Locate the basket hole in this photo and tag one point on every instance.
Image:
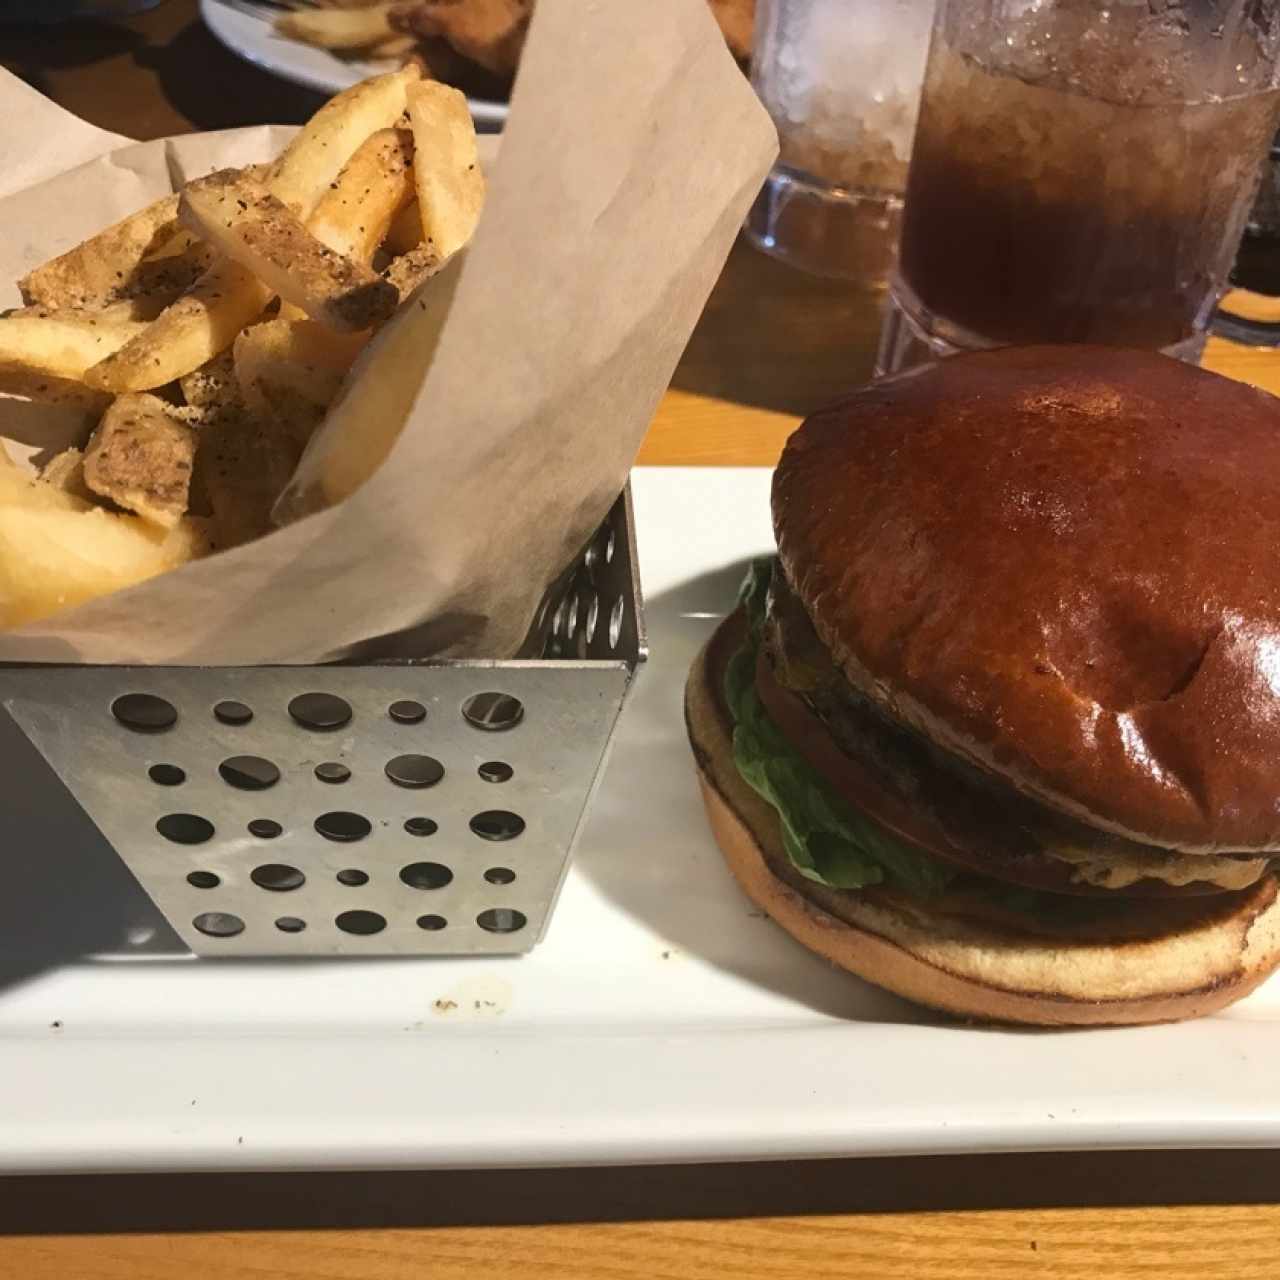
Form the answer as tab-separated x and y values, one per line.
426	875
500	875
218	924
610	547
343	827
323	711
415	771
493	711
497	824
167	775
593	617
144	712
265	828
571	617
407	711
421	826
615	622
249	773
432	923
592	557
290	924
185	828
332	771
277	877
362	922
501	920
233	712
352	877
203	880
496	771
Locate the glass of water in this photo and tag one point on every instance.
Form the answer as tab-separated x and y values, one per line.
841	79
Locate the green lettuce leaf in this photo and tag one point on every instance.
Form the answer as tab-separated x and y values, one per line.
827	840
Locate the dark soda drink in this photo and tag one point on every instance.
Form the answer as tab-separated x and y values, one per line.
1089	190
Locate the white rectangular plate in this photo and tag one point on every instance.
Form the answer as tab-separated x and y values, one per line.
662	1019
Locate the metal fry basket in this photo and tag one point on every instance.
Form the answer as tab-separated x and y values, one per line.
392	808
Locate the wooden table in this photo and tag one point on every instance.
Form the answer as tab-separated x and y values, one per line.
772	343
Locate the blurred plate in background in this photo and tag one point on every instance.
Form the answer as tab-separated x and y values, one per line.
246	30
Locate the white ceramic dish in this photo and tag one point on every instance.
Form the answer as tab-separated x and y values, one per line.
251	36
662	1019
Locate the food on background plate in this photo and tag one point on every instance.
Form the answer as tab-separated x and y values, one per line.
206	336
998	729
450	39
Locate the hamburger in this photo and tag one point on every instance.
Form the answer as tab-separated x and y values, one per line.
998	729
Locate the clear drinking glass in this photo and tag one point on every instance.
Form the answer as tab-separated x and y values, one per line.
1082	172
841	79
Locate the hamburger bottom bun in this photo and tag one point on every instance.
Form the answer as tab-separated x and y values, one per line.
1157	972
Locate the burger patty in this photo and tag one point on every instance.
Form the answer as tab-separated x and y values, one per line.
945	805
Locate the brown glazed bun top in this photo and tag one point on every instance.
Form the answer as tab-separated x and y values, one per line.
1062	563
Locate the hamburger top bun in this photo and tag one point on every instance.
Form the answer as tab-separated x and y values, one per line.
1170	959
1060	563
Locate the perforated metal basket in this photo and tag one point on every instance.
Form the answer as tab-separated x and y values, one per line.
425	808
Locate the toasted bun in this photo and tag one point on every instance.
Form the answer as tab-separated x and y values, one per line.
1059	562
1175	959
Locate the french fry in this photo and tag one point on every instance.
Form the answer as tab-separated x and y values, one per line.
65	472
354	216
364	421
410	269
260	232
191	331
211	390
331	137
289	371
405	231
44	388
64	345
56	550
95	272
338	28
140	459
227	297
243	464
446	168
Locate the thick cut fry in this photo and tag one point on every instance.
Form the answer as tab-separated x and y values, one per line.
97	271
330	138
140	458
289	371
65	472
446	169
64	345
405	231
44	388
188	333
57	550
243	464
355	214
259	231
211	391
410	269
338	28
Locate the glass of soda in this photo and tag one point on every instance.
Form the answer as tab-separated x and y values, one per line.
1082	172
841	79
